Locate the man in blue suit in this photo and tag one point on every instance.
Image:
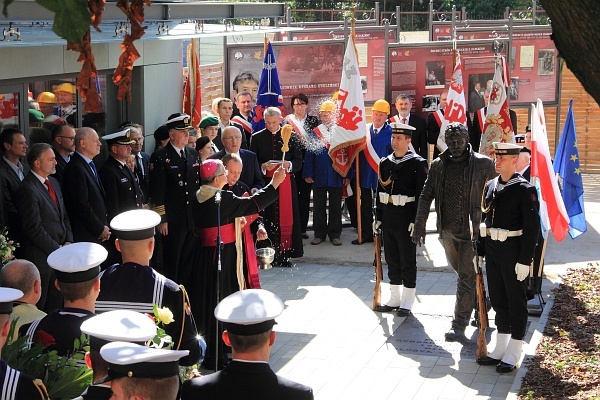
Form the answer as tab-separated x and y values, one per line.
84	194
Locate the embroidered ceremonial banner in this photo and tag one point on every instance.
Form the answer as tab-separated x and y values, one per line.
348	134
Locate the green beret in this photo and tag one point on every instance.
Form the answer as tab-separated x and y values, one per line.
209	120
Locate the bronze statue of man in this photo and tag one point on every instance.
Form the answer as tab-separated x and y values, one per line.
456	180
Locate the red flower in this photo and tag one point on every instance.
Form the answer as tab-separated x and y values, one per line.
44	338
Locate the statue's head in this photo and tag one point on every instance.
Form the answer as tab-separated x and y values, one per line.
457	139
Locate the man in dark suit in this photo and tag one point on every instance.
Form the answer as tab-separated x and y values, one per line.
84	194
419	135
174	181
225	111
12	172
63	143
434	124
251	174
46	225
248	317
243	113
142	160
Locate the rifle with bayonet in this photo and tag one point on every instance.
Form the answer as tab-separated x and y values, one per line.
377	259
481	304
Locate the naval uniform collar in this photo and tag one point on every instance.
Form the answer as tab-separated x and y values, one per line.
397	160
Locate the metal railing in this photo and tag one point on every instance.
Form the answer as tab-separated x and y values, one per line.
409	20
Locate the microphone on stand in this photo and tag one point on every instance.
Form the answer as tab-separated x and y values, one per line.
218	285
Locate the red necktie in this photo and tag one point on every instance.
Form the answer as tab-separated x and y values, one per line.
51	191
404	121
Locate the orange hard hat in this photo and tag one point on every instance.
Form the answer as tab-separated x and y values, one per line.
46	97
327	106
66	87
381	106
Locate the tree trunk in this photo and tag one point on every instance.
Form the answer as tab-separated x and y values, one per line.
575	34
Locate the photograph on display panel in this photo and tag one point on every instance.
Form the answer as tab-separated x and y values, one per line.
546	62
431	102
513	90
435	74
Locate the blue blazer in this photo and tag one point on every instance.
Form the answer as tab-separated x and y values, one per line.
382	143
318	166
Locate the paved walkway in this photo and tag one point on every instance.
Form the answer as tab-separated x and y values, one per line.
329	338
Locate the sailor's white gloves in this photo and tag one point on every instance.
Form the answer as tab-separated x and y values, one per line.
522	271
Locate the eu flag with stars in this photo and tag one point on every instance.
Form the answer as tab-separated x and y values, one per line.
269	91
567	167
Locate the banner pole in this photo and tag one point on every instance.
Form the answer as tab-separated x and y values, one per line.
357	191
265	46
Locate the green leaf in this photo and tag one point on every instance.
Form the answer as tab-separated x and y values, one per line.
72	18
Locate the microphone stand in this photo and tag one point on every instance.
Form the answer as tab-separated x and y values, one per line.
219	244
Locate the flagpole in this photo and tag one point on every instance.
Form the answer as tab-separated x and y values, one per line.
265	45
357	184
193	69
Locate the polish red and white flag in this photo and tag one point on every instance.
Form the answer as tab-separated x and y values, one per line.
553	214
456	107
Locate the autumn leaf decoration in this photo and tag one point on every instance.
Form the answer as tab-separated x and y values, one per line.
134	10
86	80
72	20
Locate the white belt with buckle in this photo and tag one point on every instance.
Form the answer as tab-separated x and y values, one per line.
395	199
501	235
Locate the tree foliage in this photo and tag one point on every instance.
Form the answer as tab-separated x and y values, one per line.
573	27
488	9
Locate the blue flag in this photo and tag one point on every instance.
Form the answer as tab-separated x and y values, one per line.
269	91
567	167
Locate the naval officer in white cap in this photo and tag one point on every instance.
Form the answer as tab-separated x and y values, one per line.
14	384
508	238
135	240
142	373
248	317
112	326
77	269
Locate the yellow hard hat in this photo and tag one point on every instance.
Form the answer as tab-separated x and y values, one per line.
381	106
66	87
327	106
46	97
